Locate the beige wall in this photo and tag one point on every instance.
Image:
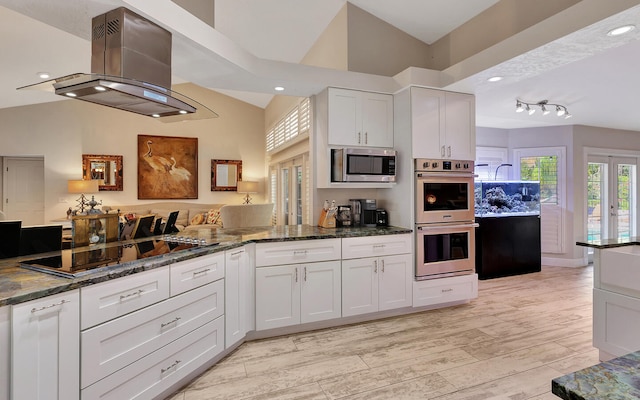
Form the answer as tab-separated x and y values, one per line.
330	50
62	131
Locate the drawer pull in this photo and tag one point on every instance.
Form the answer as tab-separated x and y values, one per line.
378	246
204	271
176	319
298	252
126	296
382	266
175	364
34	310
447	290
375	266
237	252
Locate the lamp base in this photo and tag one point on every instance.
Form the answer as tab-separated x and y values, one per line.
247	199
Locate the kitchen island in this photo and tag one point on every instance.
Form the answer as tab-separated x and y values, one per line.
144	317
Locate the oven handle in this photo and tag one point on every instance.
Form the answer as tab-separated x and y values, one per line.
448	225
444	174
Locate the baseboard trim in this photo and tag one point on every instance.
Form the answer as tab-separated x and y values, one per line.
565	262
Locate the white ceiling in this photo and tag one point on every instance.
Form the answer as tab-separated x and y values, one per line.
257	43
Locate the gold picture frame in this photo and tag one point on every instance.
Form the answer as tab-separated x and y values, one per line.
106	168
225	175
167	167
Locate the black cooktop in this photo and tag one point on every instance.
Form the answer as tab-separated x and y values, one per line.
77	262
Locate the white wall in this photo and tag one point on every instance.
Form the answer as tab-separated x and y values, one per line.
62	131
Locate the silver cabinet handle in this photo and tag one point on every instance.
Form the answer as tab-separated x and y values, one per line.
448	151
366	138
383	266
375	266
173	321
296	274
305	274
359	137
204	271
447	290
378	246
442	151
35	310
126	296
175	364
299	252
236	253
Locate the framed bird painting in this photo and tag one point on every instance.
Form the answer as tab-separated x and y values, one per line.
167	167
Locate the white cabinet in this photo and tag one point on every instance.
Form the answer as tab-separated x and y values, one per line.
239	294
297	282
442	124
445	290
5	351
293	294
45	359
359	118
117	297
378	283
190	274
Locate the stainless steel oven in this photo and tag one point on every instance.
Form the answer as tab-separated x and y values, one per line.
444	250
444	217
444	191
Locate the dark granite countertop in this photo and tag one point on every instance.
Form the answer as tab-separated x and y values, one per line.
617	379
609	243
19	284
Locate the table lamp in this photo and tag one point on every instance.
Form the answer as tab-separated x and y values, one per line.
82	186
247	187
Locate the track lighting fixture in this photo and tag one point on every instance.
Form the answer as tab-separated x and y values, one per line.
561	111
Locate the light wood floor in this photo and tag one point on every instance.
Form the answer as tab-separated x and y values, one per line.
509	343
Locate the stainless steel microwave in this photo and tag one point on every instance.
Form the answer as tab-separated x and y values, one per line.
360	164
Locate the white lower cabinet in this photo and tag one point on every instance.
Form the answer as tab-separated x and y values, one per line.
445	290
239	297
293	294
45	359
376	284
616	322
113	345
155	373
5	351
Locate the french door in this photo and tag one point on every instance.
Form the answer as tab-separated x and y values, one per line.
611	197
289	191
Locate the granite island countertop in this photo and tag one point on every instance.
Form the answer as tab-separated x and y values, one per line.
616	379
19	284
609	243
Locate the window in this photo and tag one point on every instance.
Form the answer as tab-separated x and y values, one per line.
294	125
545	170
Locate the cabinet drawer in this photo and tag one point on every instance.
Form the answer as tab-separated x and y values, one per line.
373	246
620	270
115	344
616	321
117	297
445	290
151	375
187	275
295	252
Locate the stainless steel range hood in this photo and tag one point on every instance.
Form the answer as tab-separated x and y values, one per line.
130	70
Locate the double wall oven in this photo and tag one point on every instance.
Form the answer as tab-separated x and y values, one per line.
444	217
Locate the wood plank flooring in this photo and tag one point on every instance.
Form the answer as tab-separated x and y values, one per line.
509	343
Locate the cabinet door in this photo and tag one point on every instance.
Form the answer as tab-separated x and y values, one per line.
395	279
5	332
359	286
428	123
377	120
460	126
345	117
236	295
616	321
320	294
277	297
45	352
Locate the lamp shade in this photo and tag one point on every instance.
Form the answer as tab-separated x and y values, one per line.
83	186
247	187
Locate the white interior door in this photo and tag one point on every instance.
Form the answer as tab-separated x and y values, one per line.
23	198
611	197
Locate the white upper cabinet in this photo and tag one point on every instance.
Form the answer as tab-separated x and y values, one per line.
359	118
443	124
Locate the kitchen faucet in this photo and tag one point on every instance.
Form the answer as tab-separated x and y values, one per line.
501	165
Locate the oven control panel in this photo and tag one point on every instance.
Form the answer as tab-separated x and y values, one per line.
433	165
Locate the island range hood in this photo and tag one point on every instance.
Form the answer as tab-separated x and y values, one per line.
130	70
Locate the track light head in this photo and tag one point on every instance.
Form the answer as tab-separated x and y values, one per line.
560	111
530	110
519	107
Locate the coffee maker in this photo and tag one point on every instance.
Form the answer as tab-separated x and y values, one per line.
363	212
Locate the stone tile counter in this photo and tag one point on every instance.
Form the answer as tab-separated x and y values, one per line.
19	284
615	379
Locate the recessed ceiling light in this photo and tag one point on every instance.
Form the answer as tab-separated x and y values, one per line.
101	88
43	75
495	79
278	88
155	115
182	112
71	94
621	30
